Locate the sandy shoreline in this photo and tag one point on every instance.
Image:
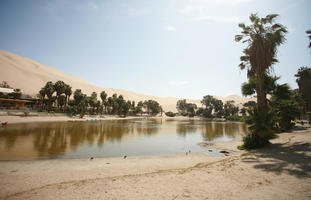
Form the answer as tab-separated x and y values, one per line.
30	119
280	171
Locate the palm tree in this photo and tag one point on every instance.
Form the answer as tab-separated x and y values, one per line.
304	83
263	37
93	101
139	107
78	96
42	93
62	101
68	93
109	104
49	91
119	104
103	96
285	106
41	96
59	87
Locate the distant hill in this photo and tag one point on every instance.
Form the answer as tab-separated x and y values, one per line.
31	76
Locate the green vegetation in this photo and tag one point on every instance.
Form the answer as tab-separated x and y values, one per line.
152	107
16	94
4	84
267	117
186	109
262	37
304	89
213	108
56	98
211	104
170	114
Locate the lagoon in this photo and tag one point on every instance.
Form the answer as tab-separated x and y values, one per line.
112	138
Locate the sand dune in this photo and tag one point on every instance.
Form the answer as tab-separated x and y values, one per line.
30	76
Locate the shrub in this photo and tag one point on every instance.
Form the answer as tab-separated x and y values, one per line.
170	114
236	118
262	129
191	115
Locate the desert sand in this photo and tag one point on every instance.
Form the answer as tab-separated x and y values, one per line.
282	170
31	76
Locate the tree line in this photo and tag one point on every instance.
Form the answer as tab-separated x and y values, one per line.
212	108
56	97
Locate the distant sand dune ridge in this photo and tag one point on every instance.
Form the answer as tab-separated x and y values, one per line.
31	76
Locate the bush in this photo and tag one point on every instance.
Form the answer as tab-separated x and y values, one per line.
170	114
262	129
26	113
253	141
250	141
191	115
236	118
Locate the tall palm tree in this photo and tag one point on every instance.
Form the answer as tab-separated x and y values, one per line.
109	104
304	83
68	93
93	101
49	91
59	87
41	96
42	93
103	96
263	37
78	96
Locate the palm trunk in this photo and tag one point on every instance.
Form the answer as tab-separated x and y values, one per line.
261	94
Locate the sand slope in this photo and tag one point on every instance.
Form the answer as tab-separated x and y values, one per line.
30	76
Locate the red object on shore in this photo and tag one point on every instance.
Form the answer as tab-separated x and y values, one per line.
4	123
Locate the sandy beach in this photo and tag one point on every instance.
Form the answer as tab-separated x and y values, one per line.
18	119
279	171
30	119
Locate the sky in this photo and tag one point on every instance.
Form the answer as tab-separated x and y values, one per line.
166	48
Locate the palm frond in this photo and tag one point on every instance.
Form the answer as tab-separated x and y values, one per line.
238	38
253	17
242	66
271	17
244	58
242	25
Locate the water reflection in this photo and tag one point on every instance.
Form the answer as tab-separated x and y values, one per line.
62	139
186	127
216	130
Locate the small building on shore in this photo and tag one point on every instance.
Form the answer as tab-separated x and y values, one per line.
14	102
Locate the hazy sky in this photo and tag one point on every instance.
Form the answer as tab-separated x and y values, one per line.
179	48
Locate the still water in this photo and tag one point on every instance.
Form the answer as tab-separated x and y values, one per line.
111	138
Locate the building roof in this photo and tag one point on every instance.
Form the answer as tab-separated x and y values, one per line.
6	90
